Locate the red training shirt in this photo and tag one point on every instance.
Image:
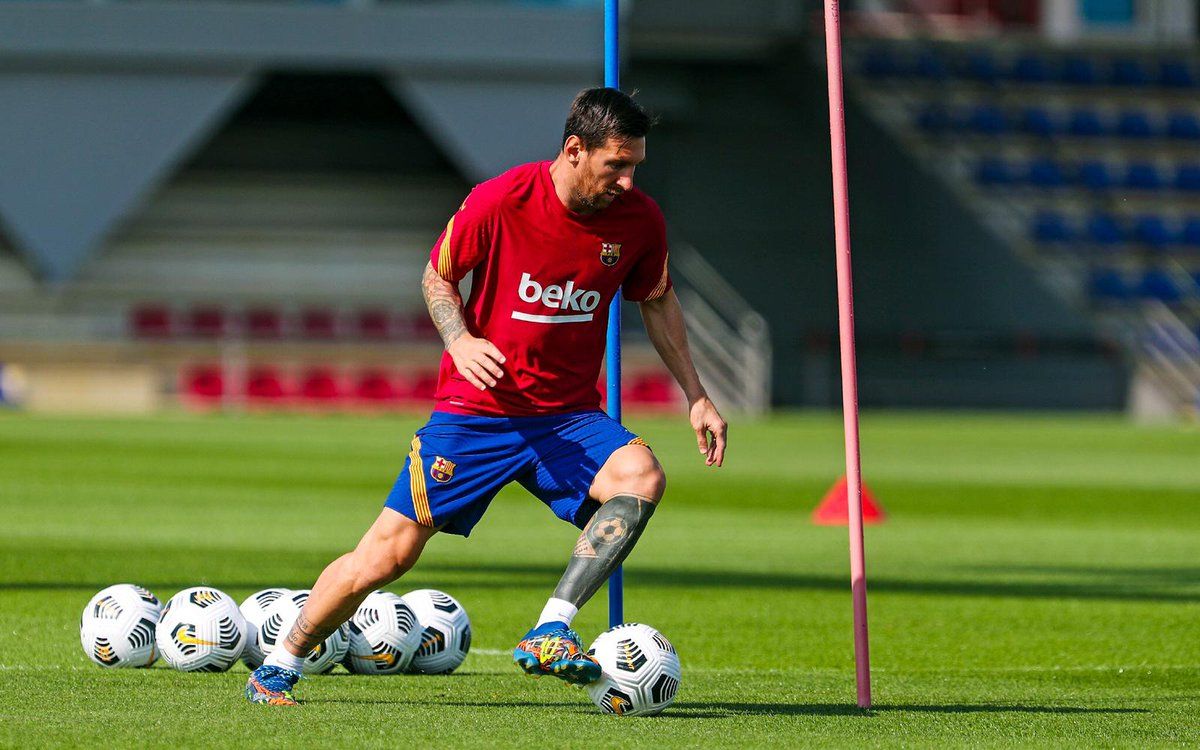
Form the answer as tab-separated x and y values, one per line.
542	280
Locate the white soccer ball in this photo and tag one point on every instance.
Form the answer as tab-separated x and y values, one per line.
201	630
641	671
445	631
254	609
281	615
384	635
117	627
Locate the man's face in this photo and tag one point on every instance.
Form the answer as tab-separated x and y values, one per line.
602	174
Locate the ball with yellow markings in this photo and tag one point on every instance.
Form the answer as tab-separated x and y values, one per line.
201	630
640	671
118	625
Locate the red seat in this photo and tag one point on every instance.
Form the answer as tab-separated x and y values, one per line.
206	383
423	386
320	385
422	326
374	324
206	322
151	321
318	323
264	323
375	386
265	384
651	388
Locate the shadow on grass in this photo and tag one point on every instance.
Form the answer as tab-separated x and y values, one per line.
717	710
510	576
725	710
1169	576
1157	584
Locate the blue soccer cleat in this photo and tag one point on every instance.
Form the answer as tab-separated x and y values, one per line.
272	686
554	649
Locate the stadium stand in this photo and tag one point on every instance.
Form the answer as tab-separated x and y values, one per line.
1082	157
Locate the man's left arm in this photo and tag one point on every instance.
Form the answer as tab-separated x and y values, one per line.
664	323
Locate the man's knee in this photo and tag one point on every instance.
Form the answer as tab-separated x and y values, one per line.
374	567
635	469
387	552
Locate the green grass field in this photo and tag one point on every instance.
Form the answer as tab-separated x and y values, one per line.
1037	584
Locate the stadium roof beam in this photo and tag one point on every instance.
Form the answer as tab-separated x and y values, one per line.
460	36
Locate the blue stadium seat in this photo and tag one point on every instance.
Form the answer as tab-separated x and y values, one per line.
1107	284
930	66
1128	72
1190	236
1094	175
1050	227
934	118
1086	123
981	67
1183	125
1037	121
993	171
1187	177
1046	173
1133	123
1104	229
987	119
1158	284
1078	71
880	63
1143	175
1030	69
1151	230
1176	74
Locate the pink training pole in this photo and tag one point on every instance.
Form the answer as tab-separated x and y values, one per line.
841	211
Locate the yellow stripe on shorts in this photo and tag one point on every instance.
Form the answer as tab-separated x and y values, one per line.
416	485
638	441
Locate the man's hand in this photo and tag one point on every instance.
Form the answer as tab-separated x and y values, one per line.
710	430
478	360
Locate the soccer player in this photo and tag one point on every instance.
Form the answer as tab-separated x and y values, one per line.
548	245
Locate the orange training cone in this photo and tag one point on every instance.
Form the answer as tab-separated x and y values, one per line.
834	507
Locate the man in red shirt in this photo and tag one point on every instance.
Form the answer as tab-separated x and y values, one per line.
548	245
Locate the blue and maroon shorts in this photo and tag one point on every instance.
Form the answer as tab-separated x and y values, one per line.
459	462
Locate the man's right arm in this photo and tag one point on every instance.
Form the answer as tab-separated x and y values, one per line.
476	359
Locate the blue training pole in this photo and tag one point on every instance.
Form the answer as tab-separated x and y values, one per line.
612	80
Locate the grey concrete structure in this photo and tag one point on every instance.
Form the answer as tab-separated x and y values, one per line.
99	101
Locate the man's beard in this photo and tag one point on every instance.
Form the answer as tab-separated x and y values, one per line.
595	202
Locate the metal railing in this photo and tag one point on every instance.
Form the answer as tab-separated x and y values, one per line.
1171	351
730	341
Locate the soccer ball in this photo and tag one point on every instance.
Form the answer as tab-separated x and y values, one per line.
446	631
117	627
201	630
641	671
384	635
277	623
254	609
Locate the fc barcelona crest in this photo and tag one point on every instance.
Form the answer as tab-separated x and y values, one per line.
610	253
442	470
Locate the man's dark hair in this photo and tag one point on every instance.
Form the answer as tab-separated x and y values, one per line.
602	113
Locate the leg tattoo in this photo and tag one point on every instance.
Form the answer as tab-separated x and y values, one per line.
604	544
304	636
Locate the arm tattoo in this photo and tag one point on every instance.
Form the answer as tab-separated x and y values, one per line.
445	305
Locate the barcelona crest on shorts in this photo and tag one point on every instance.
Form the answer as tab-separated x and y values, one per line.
610	253
442	470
